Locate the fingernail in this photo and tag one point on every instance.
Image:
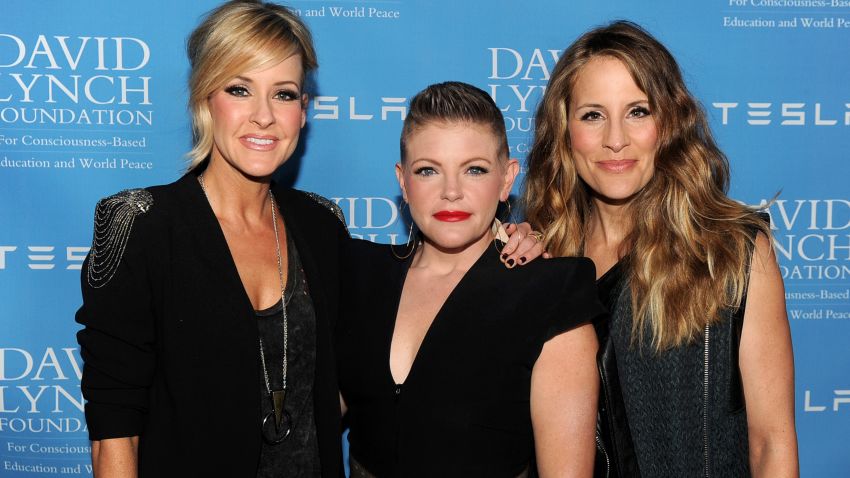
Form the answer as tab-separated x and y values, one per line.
511	262
504	255
522	260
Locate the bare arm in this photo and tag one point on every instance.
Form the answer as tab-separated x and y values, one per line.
564	394
767	370
115	457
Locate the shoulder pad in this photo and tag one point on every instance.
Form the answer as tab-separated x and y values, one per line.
332	206
113	221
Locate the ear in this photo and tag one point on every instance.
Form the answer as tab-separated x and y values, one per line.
511	170
399	174
304	101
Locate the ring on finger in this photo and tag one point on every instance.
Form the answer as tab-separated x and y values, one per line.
538	236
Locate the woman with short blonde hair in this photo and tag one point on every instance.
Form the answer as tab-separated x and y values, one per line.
206	352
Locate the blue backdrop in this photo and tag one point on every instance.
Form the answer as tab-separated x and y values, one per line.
92	100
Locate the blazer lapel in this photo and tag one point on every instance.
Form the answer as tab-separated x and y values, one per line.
211	245
295	227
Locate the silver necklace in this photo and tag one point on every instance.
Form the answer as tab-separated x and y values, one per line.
282	420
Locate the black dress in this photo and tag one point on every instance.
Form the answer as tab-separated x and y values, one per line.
464	408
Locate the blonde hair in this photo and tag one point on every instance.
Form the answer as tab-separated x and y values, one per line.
239	36
688	252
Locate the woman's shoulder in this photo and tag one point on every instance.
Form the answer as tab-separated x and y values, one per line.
315	207
546	282
561	292
128	225
373	256
559	270
145	205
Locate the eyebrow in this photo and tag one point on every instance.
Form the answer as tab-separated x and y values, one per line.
596	105
277	83
463	163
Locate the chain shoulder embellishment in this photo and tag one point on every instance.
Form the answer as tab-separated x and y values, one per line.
113	221
332	206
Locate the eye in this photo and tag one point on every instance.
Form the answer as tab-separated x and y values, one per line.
477	170
592	116
287	95
639	112
237	90
425	171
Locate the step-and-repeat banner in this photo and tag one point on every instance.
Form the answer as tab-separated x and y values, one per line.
92	101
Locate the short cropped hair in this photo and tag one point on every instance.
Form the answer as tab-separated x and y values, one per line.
239	36
453	101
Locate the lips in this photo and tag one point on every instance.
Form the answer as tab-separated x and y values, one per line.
259	142
451	216
617	166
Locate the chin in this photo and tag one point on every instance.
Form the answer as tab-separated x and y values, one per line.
260	171
454	242
618	194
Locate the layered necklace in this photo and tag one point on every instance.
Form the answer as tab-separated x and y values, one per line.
277	424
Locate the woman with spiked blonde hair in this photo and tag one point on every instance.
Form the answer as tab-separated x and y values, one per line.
625	171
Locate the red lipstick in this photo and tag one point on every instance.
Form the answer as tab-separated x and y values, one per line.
451	216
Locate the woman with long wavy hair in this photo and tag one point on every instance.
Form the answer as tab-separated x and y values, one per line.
624	170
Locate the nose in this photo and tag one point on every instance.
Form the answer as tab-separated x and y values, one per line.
451	188
262	114
615	136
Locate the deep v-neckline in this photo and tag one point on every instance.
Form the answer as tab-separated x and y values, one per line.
429	332
225	258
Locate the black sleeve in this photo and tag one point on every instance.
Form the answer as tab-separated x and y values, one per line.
579	300
117	341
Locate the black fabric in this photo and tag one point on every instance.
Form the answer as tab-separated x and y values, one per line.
679	427
298	454
464	408
170	343
653	404
615	455
664	398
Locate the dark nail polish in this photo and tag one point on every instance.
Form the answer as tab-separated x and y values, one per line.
504	255
522	260
510	262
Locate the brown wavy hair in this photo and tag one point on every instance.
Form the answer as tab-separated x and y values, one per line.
239	36
688	252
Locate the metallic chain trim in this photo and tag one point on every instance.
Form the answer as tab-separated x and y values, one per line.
113	221
332	206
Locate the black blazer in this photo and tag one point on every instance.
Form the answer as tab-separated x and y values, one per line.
170	342
464	409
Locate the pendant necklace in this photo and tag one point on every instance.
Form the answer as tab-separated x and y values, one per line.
278	417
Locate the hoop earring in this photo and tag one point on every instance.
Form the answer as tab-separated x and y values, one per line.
510	217
499	233
410	247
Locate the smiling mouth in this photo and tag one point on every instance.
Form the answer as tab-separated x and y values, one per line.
259	141
451	216
617	166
